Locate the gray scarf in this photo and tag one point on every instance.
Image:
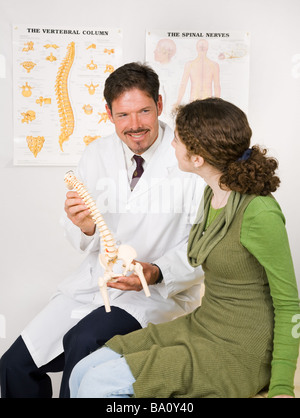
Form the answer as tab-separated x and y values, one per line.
201	242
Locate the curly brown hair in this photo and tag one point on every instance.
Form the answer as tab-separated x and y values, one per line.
219	131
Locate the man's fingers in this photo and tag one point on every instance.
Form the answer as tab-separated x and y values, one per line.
76	209
131	282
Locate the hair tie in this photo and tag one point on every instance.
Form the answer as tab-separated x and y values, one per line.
246	155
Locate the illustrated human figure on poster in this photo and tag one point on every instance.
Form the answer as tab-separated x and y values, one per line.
203	74
163	54
164	51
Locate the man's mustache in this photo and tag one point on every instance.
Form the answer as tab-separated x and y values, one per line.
138	131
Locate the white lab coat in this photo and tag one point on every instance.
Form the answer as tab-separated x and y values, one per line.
155	218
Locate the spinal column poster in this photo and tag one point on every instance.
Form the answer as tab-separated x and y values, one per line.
58	79
195	65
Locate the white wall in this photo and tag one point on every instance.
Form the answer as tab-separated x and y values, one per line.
34	254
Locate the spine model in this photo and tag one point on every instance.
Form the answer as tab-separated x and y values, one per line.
111	254
61	88
107	239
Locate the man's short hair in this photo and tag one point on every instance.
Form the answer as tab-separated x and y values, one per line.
131	76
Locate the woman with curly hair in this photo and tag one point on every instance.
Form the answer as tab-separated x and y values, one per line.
241	338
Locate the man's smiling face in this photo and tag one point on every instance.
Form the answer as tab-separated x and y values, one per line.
135	116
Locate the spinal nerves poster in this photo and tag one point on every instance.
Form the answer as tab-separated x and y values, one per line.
197	64
58	80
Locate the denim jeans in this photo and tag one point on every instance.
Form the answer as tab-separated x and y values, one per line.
102	374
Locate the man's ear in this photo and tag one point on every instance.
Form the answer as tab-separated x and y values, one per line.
159	105
109	113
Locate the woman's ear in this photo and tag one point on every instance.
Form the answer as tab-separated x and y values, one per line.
197	160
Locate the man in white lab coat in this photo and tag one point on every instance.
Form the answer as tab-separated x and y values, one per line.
153	213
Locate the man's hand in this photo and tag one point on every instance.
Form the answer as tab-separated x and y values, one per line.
79	213
133	282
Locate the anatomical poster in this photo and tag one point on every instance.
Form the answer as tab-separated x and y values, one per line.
58	80
196	64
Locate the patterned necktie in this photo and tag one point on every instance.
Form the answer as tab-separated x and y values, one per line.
138	171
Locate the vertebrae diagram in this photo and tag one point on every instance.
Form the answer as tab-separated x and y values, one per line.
35	144
58	91
62	95
111	253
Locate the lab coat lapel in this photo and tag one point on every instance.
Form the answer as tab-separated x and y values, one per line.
120	175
